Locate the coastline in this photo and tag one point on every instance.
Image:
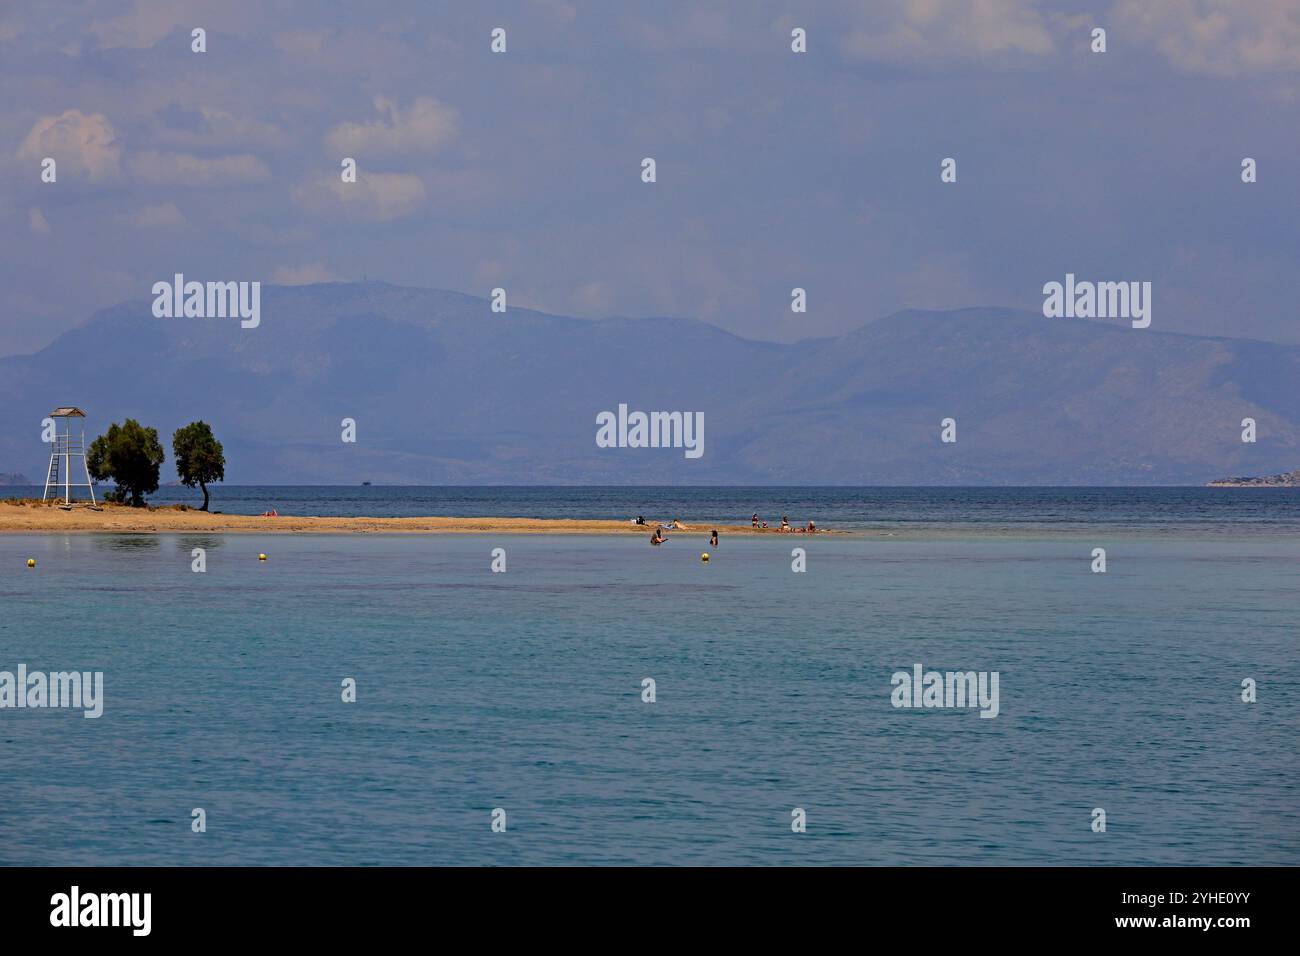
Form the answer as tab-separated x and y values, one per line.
35	519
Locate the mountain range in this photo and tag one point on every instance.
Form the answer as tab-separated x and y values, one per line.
445	391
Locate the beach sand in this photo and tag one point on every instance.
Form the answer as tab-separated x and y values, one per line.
28	518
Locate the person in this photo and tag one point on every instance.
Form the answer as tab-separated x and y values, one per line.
785	523
812	528
764	525
754	520
658	537
678	526
713	538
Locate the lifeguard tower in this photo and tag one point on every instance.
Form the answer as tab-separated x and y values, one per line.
68	457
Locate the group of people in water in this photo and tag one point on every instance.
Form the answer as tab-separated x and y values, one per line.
675	525
658	537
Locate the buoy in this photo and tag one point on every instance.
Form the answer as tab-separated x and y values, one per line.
705	557
261	557
31	562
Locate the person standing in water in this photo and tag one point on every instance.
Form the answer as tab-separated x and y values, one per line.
658	537
713	538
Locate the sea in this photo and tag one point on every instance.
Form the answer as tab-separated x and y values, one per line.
506	717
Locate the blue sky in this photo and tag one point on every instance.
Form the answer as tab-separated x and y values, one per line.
775	169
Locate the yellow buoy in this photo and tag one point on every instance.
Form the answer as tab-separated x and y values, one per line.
31	562
705	557
261	557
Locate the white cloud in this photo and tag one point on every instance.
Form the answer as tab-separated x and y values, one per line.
303	275
189	170
378	197
161	216
303	43
593	297
206	128
147	22
943	30
37	221
1217	37
267	235
79	144
423	127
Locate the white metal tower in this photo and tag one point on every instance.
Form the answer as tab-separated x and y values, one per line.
67	449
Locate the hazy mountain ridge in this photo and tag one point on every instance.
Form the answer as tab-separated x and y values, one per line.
445	391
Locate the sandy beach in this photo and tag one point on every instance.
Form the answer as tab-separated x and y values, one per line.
28	518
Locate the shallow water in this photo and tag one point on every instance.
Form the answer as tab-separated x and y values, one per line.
522	691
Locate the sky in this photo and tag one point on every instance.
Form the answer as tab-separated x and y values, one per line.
774	169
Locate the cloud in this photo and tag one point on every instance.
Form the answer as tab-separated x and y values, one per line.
424	127
38	223
943	30
206	128
379	197
1217	37
79	143
189	170
147	22
162	216
303	43
595	297
263	234
303	275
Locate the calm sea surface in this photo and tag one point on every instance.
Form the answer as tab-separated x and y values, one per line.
522	690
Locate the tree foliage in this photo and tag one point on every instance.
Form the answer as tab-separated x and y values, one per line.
200	459
129	455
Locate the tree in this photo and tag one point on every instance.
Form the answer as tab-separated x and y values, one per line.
129	454
199	457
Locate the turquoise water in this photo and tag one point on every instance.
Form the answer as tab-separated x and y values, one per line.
522	691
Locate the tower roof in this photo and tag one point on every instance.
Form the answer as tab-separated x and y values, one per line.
67	411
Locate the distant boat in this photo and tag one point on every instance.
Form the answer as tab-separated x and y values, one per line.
365	483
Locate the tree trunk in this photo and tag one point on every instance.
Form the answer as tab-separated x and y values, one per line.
205	496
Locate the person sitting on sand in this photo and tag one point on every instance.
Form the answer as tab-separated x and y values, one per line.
713	538
270	514
812	528
640	519
764	525
785	523
658	537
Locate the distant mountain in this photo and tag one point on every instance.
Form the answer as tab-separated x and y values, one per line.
1289	480
444	391
14	479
